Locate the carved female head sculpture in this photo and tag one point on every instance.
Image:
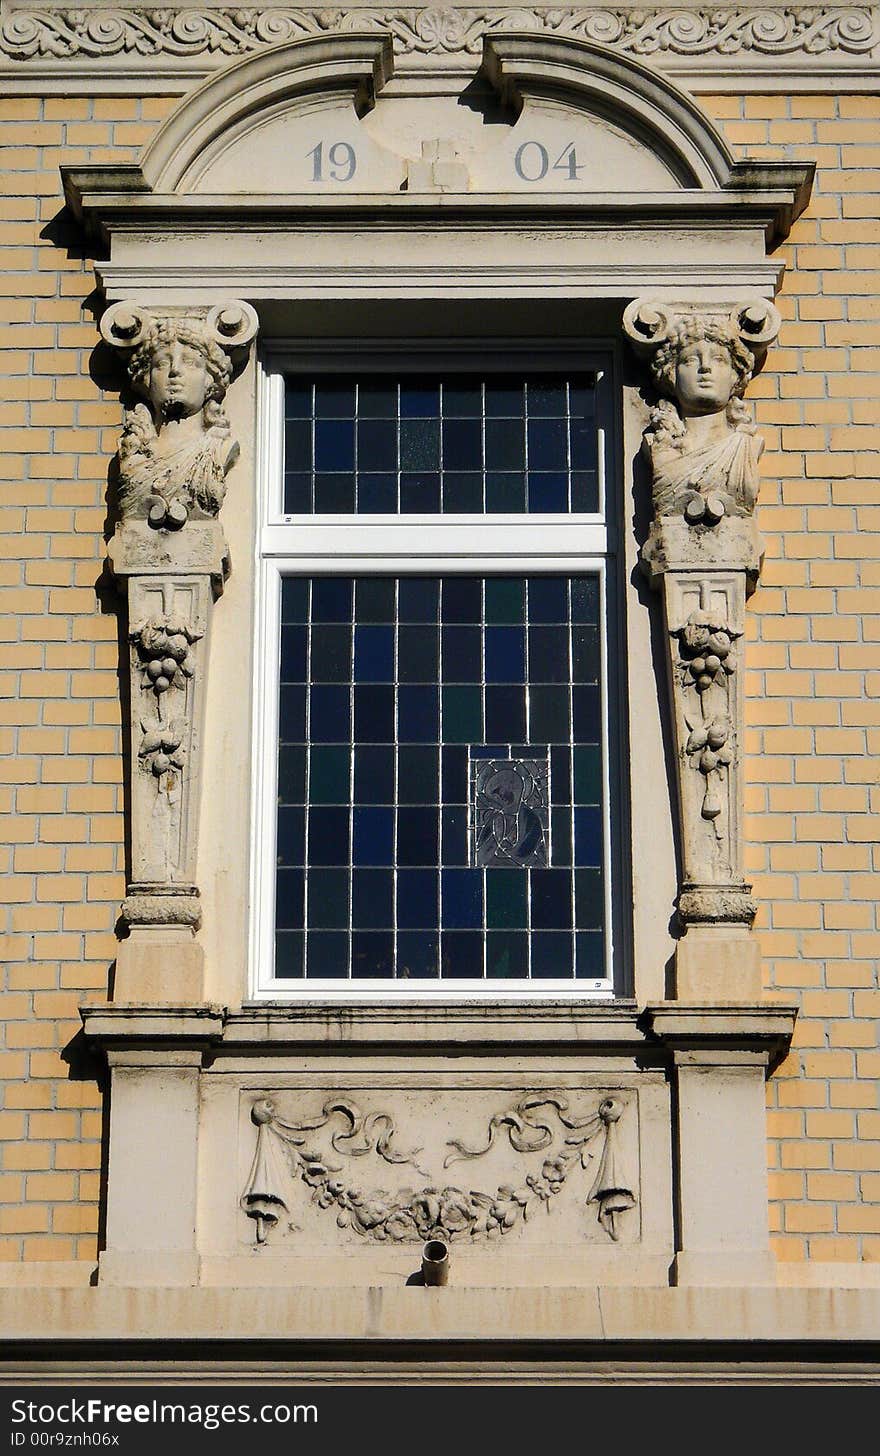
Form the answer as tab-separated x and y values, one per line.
176	449
700	439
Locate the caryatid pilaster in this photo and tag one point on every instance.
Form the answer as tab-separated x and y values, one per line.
704	553
175	454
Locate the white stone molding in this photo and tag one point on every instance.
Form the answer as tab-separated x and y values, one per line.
795	46
169	551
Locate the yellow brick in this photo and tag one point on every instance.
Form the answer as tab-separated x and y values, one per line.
78	1218
24	1219
53	1125
47	1187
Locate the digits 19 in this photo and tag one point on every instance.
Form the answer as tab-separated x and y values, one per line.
341	162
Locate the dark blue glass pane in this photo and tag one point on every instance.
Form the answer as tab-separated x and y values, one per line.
504	397
582	435
462	902
291	844
582	398
420	492
462	445
374	774
329	774
331	654
293	654
288	955
328	836
334	444
329	716
334	494
560	835
589	899
417	899
328	899
291	774
372	899
551	899
463	398
505	600
455	833
418	599
332	598
548	599
560	775
454	775
462	654
377	494
420	444
507	955
419	399
546	396
462	599
292	714
297	446
505	445
588	836
418	955
373	836
374	713
418	775
548	654
585	599
505	654
585	701
585	644
591	954
462	955
417	654
374	599
584	491
549	715
505	492
334	399
552	957
418	714
547	445
295	599
289	899
374	654
327	954
297	399
377	399
463	493
547	492
417	837
505	714
377	445
372	955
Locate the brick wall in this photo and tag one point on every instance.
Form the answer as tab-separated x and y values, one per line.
813	662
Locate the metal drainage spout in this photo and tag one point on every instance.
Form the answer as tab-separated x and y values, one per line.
435	1262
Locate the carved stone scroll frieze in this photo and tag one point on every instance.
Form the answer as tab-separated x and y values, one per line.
725	33
175	453
704	551
541	1126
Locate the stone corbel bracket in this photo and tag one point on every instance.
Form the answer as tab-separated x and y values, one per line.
170	554
704	553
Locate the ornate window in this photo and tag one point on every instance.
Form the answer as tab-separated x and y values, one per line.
436	784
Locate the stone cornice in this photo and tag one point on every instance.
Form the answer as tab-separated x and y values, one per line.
709	47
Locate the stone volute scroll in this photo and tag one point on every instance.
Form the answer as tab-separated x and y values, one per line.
704	553
175	454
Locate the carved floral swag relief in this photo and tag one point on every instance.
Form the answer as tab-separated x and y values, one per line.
287	1150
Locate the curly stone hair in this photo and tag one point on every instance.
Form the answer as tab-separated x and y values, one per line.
693	329
168	331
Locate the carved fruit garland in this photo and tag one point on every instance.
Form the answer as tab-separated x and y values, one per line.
705	648
433	1211
167	663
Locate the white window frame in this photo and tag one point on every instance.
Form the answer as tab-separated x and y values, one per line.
385	545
